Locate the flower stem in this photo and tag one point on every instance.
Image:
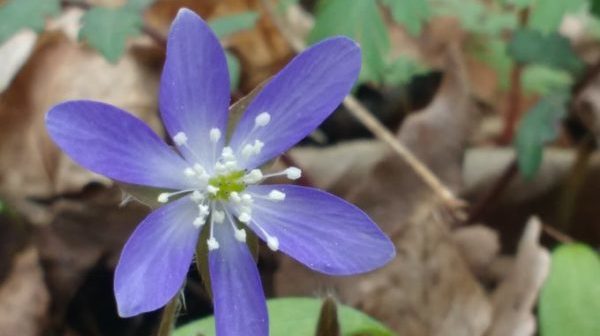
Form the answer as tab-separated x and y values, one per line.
169	315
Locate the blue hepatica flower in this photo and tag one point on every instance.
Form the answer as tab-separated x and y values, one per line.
215	186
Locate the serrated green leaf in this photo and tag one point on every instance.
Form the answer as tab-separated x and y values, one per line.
547	15
18	14
402	70
412	14
298	317
234	70
107	30
231	24
362	21
538	127
541	79
531	46
570	299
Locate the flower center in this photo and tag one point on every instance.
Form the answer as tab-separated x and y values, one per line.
226	184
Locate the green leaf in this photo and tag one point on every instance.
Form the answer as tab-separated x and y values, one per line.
233	64
541	79
539	126
231	24
553	50
570	299
362	21
412	14
107	30
139	4
299	317
547	15
595	8
18	14
402	70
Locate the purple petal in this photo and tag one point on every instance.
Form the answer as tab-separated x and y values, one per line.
320	230
194	88
111	142
299	98
240	306
156	258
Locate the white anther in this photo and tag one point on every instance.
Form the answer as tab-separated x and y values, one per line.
199	221
231	165
215	135
262	119
212	243
203	209
220	168
276	195
293	173
244	217
180	139
189	172
240	235
199	169
273	243
163	198
212	189
247	199
258	146
227	153
235	197
247	151
254	176
197	196
246	209
218	216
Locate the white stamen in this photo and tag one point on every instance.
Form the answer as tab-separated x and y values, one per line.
212	243
218	216
212	189
235	197
273	243
163	197
231	165
227	153
262	119
293	173
204	210
199	221
180	139
254	176
247	199
215	135
189	172
253	149
240	235
244	217
276	195
197	196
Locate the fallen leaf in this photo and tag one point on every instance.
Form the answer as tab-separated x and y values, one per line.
24	299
